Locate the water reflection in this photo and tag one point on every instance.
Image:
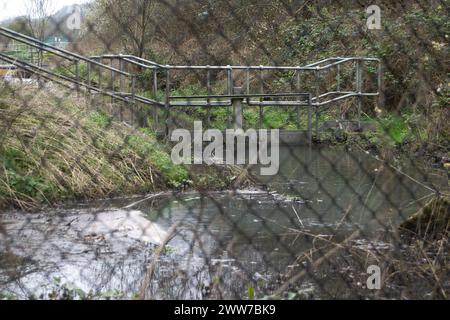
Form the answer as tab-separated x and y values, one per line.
226	242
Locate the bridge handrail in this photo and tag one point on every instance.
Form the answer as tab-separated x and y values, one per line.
55	50
311	67
46	74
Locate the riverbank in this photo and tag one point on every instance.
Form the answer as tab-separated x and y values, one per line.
393	148
54	148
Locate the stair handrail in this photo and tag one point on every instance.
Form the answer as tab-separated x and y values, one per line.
55	50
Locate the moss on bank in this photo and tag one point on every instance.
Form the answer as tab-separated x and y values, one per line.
53	148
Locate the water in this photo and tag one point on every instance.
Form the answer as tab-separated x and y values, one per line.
226	242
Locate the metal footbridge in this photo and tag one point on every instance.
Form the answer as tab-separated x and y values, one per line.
144	88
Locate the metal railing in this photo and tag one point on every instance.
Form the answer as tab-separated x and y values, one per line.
318	99
233	95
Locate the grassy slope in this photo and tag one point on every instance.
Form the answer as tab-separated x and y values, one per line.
54	148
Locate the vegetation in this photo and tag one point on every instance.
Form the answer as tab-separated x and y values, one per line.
54	149
413	46
412	109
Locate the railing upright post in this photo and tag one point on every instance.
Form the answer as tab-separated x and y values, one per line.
167	104
208	101
121	85
155	93
316	72
237	109
77	75
133	93
99	78
247	80
310	118
338	78
300	97
359	80
230	92
338	89
112	82
261	91
88	91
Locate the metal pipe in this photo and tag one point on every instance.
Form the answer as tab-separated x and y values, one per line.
298	106
310	67
167	105
77	76
42	45
230	91
155	93
121	87
310	119
359	84
248	81
208	87
30	67
316	73
261	91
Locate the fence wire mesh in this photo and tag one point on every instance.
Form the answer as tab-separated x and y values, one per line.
94	207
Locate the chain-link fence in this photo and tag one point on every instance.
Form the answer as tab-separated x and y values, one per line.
97	98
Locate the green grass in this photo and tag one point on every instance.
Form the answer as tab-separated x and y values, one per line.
54	148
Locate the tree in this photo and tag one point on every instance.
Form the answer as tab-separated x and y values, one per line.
130	21
38	17
20	25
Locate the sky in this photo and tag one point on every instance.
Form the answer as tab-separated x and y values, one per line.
14	8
